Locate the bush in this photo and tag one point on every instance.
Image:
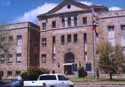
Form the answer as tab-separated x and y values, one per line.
33	74
82	72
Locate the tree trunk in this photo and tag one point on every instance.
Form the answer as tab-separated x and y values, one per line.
110	76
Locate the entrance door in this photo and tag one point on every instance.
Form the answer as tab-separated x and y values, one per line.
68	69
69	60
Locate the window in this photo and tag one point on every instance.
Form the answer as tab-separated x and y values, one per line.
19	40
9	73
75	38
111	35
44	42
54	39
85	38
88	67
69	38
48	77
75	20
1	73
9	59
84	20
18	57
18	72
123	35
62	78
44	26
68	6
43	56
2	58
110	28
19	37
53	24
63	22
3	38
62	39
69	21
10	38
123	27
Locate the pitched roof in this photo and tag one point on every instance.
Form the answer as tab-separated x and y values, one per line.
73	2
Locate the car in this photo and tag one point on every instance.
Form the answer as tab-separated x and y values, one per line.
2	84
50	80
16	83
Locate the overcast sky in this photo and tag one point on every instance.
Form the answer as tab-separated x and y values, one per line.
26	10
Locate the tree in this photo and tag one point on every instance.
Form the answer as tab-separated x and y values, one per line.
33	73
111	59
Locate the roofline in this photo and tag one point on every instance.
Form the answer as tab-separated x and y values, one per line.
73	1
30	23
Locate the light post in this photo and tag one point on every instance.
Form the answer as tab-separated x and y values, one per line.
94	26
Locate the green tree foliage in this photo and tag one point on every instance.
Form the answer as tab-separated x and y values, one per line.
32	74
111	59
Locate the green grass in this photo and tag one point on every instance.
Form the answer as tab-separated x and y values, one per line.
84	80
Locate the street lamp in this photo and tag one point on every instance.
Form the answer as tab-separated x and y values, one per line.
94	25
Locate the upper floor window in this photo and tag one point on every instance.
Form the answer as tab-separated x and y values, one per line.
69	21
10	38
2	58
111	35
9	60
3	38
110	28
123	35
19	40
53	24
63	22
54	40
75	20
84	20
69	38
19	37
18	57
44	42
62	39
44	26
123	27
75	37
85	38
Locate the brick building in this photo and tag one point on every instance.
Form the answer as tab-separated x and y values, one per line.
19	48
67	39
70	32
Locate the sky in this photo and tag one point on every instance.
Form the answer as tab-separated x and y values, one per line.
13	11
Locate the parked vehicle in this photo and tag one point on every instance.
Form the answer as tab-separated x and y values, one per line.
2	84
50	80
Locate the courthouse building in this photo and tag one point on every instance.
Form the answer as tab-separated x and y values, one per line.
19	48
70	32
67	39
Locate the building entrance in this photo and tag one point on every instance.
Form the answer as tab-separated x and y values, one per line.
69	63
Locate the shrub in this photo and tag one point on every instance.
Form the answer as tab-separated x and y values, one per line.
82	72
32	74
